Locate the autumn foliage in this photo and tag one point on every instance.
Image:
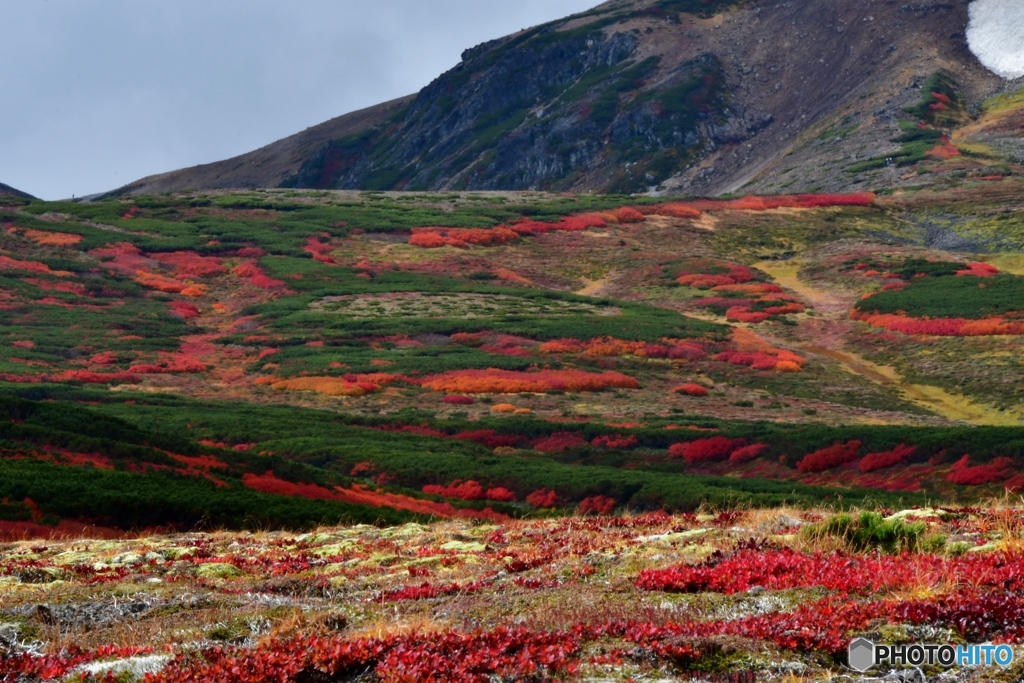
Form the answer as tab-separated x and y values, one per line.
940	327
880	461
713	449
494	381
829	458
691	390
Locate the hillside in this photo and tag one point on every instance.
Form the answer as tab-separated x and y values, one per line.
286	357
7	190
682	96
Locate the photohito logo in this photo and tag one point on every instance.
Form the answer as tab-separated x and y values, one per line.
864	655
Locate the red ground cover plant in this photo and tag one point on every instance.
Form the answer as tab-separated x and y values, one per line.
880	461
8	263
319	250
597	505
170	363
491	439
432	238
748	453
271	483
691	390
978	270
784	569
940	327
602	347
543	499
964	474
829	458
616	442
494	381
713	449
190	264
559	441
184	309
250	271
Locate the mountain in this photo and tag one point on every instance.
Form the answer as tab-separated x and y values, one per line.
7	190
685	96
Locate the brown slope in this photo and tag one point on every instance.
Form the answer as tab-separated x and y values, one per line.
267	166
7	190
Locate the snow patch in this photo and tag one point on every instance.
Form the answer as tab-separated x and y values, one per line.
995	35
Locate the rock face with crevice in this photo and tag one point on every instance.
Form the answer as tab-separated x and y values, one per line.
680	96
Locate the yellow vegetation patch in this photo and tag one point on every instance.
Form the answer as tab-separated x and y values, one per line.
329	386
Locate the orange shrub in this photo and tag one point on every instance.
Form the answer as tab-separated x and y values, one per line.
503	408
159	282
7	263
170	363
691	390
329	386
627	215
189	263
52	239
427	240
493	381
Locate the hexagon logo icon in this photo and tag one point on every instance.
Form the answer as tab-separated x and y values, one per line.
861	655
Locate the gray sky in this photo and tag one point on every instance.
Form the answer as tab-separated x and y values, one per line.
97	93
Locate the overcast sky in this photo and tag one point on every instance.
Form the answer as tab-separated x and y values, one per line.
97	93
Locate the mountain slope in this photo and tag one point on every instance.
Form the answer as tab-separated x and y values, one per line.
7	190
681	95
270	165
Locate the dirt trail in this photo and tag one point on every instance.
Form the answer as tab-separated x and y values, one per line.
934	399
952	406
594	287
786	274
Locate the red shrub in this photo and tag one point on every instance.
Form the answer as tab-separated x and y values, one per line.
619	442
183	309
597	505
979	270
828	458
170	363
427	240
979	475
493	381
559	441
490	438
469	490
691	390
714	449
271	483
748	453
687	352
543	499
457	400
880	461
249	270
189	263
1015	484
500	494
627	215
